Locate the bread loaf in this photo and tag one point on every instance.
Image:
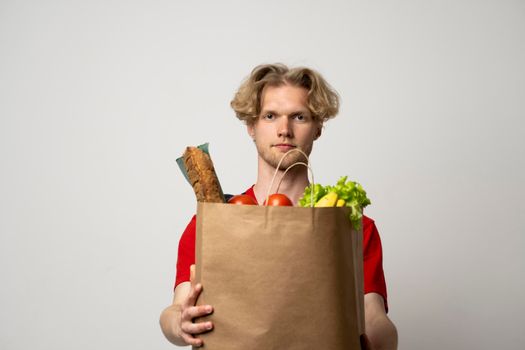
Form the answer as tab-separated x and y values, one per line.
202	176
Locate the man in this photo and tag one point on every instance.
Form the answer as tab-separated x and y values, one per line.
283	109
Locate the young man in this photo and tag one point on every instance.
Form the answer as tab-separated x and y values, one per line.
283	109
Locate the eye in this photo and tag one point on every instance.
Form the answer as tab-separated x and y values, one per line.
268	116
300	117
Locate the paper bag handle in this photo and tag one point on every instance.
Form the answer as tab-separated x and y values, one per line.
310	172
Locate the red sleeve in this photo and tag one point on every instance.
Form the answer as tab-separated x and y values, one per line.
186	256
373	260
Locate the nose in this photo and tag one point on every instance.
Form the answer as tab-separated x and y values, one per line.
284	128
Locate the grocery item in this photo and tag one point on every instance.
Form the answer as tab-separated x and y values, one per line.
242	199
344	193
278	200
201	175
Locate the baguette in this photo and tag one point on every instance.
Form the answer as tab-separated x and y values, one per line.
202	176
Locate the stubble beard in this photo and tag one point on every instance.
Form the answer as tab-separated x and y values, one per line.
272	158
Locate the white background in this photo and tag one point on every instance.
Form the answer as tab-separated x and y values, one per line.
98	99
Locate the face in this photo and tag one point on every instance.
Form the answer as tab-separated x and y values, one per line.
283	124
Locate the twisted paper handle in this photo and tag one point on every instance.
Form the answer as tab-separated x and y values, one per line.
310	172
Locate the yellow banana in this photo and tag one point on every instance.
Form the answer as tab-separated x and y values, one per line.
340	203
328	200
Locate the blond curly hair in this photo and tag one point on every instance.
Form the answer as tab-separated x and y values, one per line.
323	100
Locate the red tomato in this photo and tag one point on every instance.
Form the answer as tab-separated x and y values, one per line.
242	199
278	199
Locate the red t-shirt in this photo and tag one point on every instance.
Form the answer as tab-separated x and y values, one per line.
374	279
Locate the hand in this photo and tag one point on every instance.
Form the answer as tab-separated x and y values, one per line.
189	312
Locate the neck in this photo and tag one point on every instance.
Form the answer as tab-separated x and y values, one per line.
292	185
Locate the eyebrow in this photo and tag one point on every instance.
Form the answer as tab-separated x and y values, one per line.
302	111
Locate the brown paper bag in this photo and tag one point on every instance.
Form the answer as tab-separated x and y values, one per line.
280	277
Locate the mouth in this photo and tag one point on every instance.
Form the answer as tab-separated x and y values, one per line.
284	147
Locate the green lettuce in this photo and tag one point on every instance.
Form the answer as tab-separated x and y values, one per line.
351	192
306	199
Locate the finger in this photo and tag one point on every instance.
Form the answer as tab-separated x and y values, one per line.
191	340
194	294
192	274
193	312
196	328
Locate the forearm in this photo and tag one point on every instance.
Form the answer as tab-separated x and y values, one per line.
381	333
170	323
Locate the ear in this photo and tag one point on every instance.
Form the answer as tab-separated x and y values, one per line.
251	130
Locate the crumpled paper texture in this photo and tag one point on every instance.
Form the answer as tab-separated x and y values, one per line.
280	277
